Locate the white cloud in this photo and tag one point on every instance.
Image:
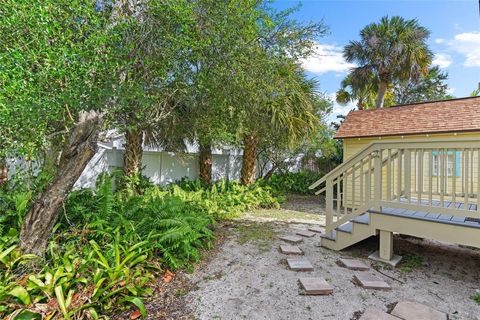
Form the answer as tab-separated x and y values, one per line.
439	40
339	109
327	58
442	60
468	44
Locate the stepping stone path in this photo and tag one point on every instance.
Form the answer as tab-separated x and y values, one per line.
292	239
297	264
286	249
310	286
315	286
371	282
353	264
315	229
373	313
306	233
409	310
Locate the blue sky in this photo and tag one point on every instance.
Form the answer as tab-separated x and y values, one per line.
454	26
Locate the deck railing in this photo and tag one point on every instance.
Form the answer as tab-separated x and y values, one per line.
436	176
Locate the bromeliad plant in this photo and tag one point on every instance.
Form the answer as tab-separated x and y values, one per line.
76	284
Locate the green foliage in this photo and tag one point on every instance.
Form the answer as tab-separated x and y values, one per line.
293	182
411	262
476	298
109	245
430	87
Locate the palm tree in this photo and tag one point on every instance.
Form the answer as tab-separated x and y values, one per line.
287	110
394	49
362	92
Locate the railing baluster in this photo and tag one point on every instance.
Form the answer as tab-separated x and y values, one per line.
353	187
454	176
368	185
408	173
389	178
471	172
339	198
361	184
430	177
420	176
415	152
465	200
399	174
442	176
378	178
329	204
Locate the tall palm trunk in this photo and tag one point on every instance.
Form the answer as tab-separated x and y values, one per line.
77	152
3	172
205	163
133	152
382	89
249	160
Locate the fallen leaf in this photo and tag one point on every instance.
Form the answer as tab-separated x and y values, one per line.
135	315
168	276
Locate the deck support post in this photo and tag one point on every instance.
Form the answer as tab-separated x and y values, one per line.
386	245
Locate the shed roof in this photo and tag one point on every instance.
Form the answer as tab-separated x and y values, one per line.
455	115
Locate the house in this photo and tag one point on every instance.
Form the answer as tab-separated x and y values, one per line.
409	169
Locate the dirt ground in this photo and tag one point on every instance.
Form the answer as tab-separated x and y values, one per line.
246	276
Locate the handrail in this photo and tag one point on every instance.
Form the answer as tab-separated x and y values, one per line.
367	149
357	212
359	182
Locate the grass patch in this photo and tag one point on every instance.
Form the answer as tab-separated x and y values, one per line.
476	298
282	215
411	262
260	234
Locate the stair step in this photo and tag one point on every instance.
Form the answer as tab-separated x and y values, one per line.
333	237
346	227
363	219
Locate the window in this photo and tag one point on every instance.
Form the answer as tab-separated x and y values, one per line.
449	163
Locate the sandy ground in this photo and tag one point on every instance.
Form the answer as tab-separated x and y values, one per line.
247	278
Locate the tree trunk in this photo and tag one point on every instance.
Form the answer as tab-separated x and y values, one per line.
78	151
3	172
381	94
270	172
360	104
205	164
133	152
249	160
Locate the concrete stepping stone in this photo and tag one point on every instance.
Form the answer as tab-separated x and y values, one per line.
353	264
315	229
292	239
373	313
306	233
297	264
371	282
315	286
287	249
409	310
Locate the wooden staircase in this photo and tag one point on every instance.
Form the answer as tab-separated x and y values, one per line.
417	187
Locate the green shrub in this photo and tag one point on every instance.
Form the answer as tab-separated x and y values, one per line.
293	182
108	245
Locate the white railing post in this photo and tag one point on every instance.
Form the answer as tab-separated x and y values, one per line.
377	178
329	204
